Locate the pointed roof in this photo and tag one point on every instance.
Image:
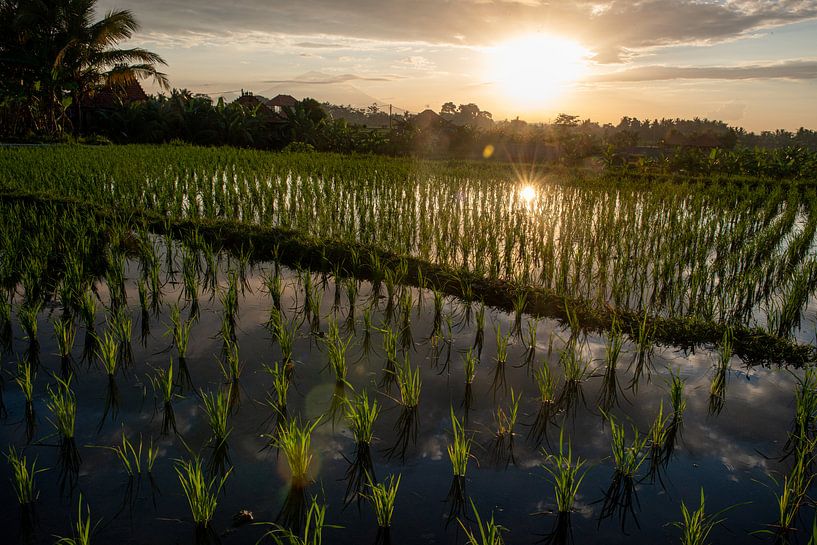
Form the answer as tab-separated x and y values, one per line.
283	101
112	96
426	118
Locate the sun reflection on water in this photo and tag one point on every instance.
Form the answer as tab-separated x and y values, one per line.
527	193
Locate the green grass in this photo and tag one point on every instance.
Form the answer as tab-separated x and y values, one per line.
294	439
23	477
107	348
382	496
566	474
658	429
459	450
162	381
409	383
574	366
63	406
470	365
82	527
201	493
626	458
232	367
501	346
216	406
129	455
534	256
506	419
336	350
180	330
27	315
314	524
65	332
277	398
486	533
545	384
361	416
677	399
697	525
25	378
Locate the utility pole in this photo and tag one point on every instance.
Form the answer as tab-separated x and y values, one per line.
389	116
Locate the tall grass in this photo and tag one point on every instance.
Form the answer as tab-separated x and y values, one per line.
627	458
471	361
294	439
180	330
216	406
361	416
487	532
201	493
82	527
277	399
382	496
336	349
65	333
566	474
459	450
697	525
314	524
23	477
107	349
63	406
409	384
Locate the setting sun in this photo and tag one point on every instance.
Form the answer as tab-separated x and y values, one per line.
535	68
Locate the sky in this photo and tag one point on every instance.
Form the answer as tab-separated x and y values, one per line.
751	63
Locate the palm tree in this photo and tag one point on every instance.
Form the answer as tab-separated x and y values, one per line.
68	54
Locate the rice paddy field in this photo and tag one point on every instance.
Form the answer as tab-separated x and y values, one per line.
212	345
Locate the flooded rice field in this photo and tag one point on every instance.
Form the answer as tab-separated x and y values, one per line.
516	384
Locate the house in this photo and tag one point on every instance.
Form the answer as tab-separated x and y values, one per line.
250	102
280	102
427	119
111	97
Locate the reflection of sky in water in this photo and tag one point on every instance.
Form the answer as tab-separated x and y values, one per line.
728	454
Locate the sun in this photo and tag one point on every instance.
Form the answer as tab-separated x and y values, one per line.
536	67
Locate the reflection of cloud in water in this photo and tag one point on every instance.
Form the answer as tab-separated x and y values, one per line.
728	449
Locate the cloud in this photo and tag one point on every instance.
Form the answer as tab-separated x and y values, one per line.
319	45
315	78
792	70
417	62
610	28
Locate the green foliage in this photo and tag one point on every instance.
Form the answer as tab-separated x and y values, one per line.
294	439
63	406
361	416
409	383
459	450
697	525
566	474
22	477
82	527
487	532
382	497
314	525
202	494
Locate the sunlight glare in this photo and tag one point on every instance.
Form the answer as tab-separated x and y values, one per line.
537	67
527	193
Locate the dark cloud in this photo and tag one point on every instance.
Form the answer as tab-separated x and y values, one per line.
610	28
794	70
